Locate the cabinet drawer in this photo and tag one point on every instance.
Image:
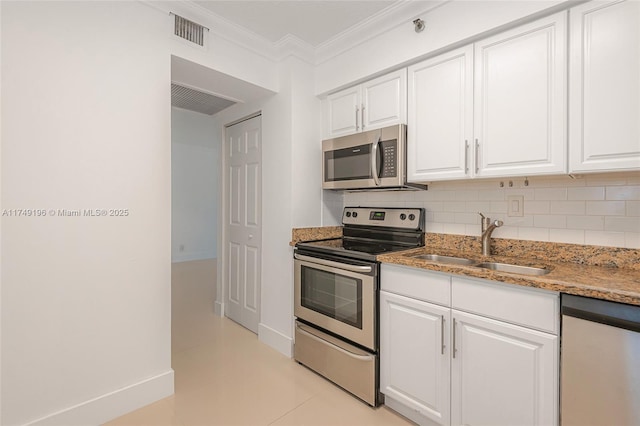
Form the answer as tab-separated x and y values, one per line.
416	283
529	307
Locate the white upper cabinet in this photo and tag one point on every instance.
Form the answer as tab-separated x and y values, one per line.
520	100
604	97
494	108
377	103
440	119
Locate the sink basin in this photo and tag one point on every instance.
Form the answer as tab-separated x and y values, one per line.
514	269
445	259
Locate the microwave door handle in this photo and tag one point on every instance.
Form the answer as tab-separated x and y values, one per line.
374	161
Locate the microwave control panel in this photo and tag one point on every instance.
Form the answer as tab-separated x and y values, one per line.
389	158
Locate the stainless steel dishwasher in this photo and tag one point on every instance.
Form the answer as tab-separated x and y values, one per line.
600	367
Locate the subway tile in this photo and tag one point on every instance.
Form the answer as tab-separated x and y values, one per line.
454	206
518	221
633	208
462	195
527	193
568	207
446	196
434	227
586	193
533	234
570	236
454	228
623	193
593	223
606	208
551	194
491	194
622	224
505	232
537	207
442	217
615	179
428	216
550	221
498	207
434	206
632	240
604	238
473	230
466	218
478	206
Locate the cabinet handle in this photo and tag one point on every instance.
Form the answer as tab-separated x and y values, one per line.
466	157
477	156
362	116
357	125
442	334
454	338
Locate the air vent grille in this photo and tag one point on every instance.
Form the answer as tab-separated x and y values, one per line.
189	30
194	100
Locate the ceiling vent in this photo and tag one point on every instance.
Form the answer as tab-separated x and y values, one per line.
194	100
189	30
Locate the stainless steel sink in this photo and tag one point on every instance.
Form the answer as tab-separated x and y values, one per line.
514	269
445	259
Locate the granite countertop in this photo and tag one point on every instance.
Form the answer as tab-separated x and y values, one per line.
601	282
608	273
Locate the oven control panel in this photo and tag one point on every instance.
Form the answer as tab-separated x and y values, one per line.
407	218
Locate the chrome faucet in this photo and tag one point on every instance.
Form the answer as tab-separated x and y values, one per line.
487	230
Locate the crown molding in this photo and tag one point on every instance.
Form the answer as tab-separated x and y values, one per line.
400	13
291	45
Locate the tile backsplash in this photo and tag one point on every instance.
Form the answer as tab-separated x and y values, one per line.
599	209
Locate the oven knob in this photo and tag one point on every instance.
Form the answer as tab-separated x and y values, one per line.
355	214
403	216
348	214
412	216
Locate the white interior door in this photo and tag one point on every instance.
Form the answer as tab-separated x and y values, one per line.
243	242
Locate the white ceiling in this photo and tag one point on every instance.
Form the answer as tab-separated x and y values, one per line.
314	22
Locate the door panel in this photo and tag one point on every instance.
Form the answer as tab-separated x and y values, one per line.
502	374
243	226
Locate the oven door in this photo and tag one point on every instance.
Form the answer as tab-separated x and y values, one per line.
338	296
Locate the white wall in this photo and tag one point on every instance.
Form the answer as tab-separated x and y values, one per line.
599	209
195	173
86	125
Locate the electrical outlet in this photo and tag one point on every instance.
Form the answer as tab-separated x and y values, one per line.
515	205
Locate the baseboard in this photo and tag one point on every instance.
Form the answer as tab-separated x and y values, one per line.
409	413
275	339
218	308
114	404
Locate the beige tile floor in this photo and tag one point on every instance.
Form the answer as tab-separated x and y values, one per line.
225	376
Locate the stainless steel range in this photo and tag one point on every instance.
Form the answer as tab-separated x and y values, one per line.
336	295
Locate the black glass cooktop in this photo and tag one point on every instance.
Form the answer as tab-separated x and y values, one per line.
350	248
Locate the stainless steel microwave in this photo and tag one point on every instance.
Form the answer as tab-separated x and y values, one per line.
375	159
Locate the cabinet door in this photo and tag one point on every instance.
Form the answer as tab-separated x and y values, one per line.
384	101
440	119
520	100
502	374
604	120
342	112
414	355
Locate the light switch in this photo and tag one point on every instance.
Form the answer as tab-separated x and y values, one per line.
515	205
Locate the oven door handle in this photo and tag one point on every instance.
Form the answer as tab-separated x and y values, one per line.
338	348
338	265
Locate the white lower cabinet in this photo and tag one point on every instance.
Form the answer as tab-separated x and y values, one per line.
485	357
502	374
414	355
